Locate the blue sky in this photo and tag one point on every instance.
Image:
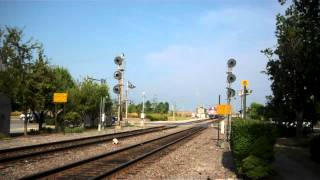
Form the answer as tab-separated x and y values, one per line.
176	50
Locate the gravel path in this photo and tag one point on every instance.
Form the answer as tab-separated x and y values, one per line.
198	158
18	169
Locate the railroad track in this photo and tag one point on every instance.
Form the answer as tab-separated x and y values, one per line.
18	153
108	163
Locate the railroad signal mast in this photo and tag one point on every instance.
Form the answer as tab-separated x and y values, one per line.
243	94
118	88
230	93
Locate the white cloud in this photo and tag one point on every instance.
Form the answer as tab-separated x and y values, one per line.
238	19
195	72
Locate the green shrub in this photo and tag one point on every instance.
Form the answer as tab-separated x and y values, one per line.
50	121
34	132
157	117
255	168
74	130
263	147
73	119
254	139
2	136
47	130
315	148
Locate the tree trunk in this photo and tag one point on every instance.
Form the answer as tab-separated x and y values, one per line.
41	120
299	120
25	123
91	117
25	126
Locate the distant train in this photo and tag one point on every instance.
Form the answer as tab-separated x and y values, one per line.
212	112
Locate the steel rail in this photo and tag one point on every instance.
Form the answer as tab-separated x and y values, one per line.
67	144
124	165
51	172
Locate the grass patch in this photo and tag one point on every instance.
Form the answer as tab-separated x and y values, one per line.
15	113
178	118
49	121
133	115
74	130
3	137
157	117
47	130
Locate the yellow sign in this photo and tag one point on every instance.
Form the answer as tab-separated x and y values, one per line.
245	83
223	109
60	97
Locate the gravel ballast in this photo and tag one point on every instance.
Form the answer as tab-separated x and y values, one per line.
46	138
198	158
17	169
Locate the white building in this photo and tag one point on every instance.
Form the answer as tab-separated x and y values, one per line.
201	112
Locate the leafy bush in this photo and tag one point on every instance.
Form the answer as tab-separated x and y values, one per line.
315	148
50	121
252	143
47	130
257	111
73	119
34	132
2	136
255	168
74	130
157	117
133	115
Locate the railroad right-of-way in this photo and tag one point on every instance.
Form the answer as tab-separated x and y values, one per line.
20	167
105	164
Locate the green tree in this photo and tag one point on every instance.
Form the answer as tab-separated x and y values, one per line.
166	107
85	99
16	60
162	107
159	107
148	107
132	108
63	80
39	87
139	108
294	65
257	111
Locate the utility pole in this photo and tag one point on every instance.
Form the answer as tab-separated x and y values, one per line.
244	102
127	92
218	141
174	111
129	86
143	96
245	84
142	113
240	93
